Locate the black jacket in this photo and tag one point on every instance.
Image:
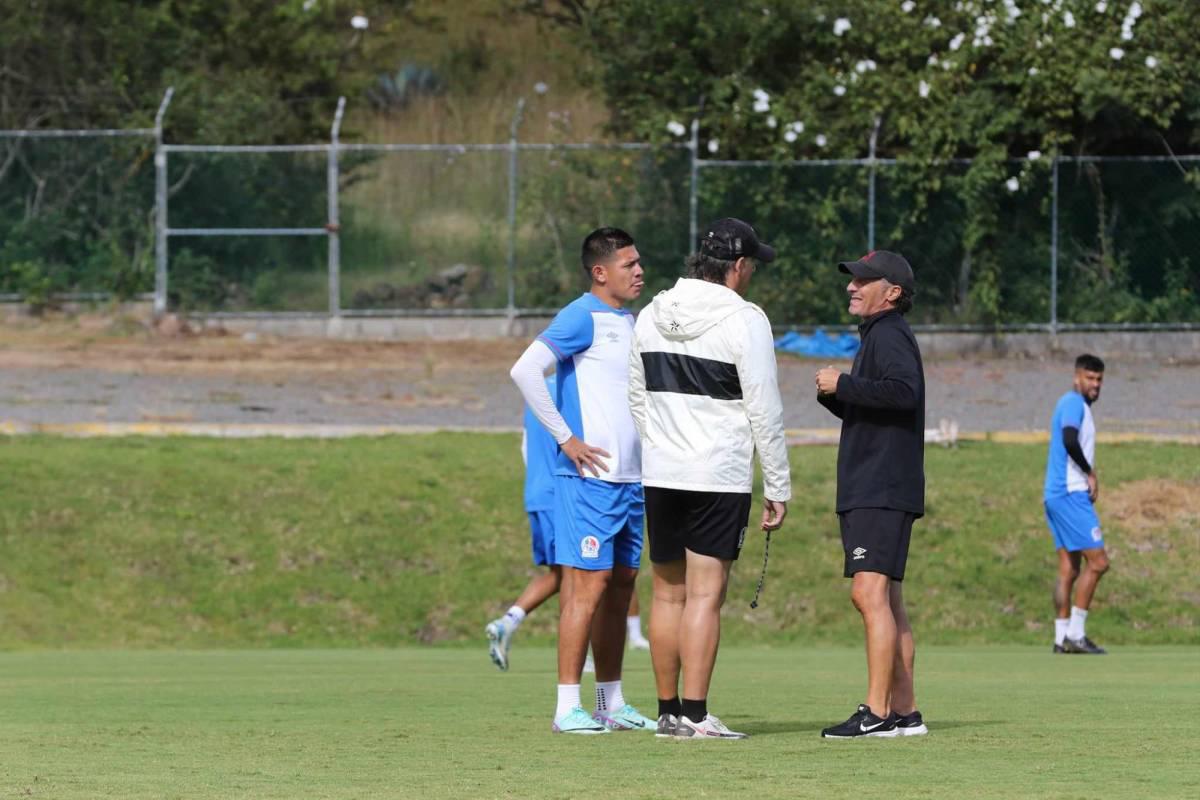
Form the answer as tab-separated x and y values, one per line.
881	457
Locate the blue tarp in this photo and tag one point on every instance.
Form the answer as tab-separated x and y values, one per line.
819	344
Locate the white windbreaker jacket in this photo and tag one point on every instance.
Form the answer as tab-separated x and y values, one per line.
704	394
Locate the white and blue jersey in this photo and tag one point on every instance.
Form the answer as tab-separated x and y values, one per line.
591	341
1069	511
597	521
540	455
1063	475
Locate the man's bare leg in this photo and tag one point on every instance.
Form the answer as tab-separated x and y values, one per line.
700	631
869	591
608	624
1097	565
581	591
666	616
540	589
1068	571
903	699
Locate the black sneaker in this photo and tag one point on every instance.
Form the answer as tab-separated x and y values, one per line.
862	722
909	724
1058	648
1084	645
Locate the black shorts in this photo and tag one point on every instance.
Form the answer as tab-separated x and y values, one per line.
876	540
708	523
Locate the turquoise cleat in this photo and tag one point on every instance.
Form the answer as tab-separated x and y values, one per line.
578	721
626	718
499	640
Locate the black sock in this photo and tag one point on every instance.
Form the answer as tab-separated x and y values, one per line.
672	706
695	710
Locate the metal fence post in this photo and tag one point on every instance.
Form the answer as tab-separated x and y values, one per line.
1054	247
160	207
694	192
512	207
871	188
335	252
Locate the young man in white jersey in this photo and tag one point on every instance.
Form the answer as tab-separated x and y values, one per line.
1070	494
598	503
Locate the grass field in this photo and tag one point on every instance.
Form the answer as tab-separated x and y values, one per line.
441	722
308	543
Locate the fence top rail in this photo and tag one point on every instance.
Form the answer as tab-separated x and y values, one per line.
246	148
64	133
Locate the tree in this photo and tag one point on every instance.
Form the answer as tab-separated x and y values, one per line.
1004	83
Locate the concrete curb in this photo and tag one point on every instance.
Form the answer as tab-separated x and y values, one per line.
795	436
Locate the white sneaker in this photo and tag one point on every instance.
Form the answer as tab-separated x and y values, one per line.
589	666
708	728
639	642
499	640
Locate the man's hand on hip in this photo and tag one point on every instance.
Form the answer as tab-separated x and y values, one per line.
583	455
773	513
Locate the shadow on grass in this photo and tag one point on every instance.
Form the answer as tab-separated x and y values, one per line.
769	727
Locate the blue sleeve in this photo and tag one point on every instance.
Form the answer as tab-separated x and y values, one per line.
570	332
1072	411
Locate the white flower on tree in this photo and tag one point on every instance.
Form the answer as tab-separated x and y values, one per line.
790	136
714	145
1012	184
676	128
359	22
923	89
1116	53
821	140
1151	62
840	26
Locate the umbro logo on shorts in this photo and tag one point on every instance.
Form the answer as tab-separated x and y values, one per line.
859	553
1096	535
589	547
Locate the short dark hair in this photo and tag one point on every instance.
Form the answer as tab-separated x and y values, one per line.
707	268
600	244
904	302
1089	363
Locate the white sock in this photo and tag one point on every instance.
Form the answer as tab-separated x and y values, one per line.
1078	621
568	698
514	617
633	624
1060	630
609	696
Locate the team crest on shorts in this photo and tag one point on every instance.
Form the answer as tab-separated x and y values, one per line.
1097	536
589	547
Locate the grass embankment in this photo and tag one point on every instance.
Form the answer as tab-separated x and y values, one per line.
437	723
206	543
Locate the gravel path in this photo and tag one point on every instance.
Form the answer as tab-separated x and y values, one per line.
76	375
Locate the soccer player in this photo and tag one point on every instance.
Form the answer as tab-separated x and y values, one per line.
598	503
1070	496
539	452
703	392
880	484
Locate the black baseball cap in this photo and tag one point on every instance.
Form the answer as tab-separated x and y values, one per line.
882	264
730	239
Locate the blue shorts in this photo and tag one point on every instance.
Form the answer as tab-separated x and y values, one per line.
1074	523
541	535
597	524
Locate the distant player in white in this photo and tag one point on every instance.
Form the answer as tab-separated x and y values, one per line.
598	503
1070	494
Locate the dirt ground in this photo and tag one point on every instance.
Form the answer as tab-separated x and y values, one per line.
96	369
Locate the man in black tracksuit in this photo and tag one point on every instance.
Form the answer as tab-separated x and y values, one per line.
881	484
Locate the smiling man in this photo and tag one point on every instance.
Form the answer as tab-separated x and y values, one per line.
880	484
598	503
1070	494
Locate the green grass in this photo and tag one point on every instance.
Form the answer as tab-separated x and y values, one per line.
310	543
441	722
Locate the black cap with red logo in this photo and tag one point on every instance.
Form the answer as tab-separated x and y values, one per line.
882	264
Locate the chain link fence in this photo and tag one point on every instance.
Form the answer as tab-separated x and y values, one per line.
378	229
